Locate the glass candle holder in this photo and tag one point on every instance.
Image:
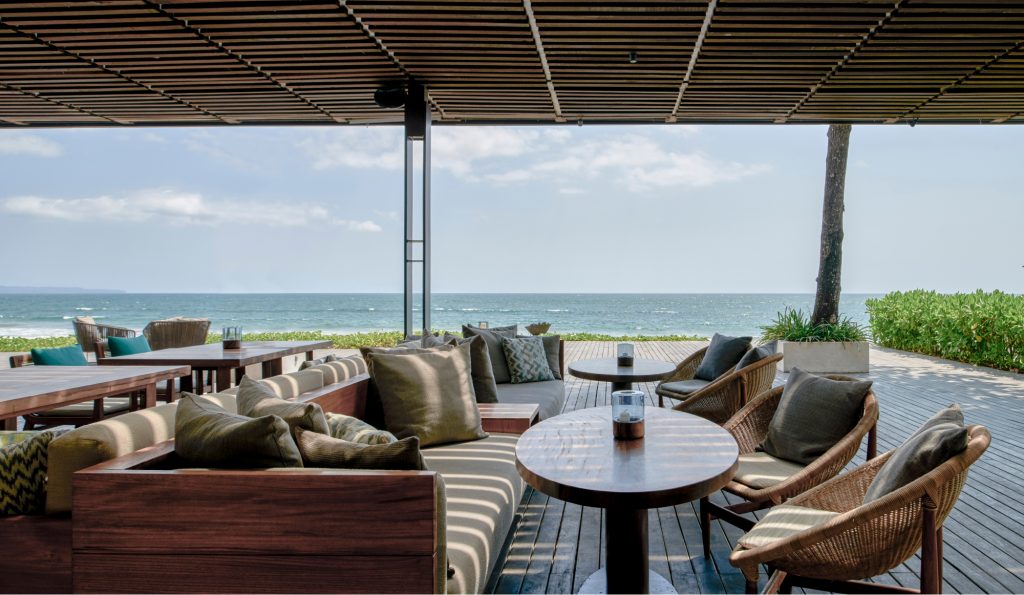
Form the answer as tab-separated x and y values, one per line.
624	353
231	336
481	324
628	414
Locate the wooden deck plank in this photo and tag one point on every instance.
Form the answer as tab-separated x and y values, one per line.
984	533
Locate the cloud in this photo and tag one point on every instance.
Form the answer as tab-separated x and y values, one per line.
205	143
174	207
570	191
367	226
377	147
20	143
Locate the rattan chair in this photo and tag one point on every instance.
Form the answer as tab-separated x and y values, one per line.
89	332
176	332
750	427
77	414
866	540
724	396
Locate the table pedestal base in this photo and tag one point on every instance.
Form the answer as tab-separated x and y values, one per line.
598	583
622	386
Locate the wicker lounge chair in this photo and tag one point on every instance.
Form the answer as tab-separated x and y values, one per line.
723	397
865	540
77	414
89	332
777	480
176	332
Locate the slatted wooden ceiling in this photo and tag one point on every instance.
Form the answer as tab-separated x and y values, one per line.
318	62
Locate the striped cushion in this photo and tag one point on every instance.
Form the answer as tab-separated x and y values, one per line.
761	470
784	521
23	472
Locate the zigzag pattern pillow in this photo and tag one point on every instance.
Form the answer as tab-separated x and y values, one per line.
23	471
527	360
354	429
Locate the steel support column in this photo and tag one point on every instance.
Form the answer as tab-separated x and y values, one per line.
417	130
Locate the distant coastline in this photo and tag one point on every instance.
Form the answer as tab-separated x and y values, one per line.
29	290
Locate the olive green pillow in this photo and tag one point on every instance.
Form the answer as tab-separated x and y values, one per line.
428	394
354	429
324	451
256	399
493	336
480	367
814	414
207	435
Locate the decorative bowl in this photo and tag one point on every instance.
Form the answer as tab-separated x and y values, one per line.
538	328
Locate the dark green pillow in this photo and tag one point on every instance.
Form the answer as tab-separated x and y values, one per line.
324	451
480	361
492	337
813	414
127	346
207	435
527	361
23	465
722	356
256	399
757	354
925	450
59	356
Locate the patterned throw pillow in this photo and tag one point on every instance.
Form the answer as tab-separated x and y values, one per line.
23	471
356	430
527	360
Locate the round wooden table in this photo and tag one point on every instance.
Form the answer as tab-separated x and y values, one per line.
607	369
573	457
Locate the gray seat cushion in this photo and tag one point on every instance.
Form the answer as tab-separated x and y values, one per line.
550	395
483	491
685	387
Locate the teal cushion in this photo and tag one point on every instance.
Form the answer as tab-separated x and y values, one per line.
125	346
59	356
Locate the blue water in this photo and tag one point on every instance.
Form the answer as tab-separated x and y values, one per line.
651	314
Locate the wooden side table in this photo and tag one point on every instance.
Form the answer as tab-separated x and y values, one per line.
607	369
508	418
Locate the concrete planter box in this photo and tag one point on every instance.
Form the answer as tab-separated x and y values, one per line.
825	357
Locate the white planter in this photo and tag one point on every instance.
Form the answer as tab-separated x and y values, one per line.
825	357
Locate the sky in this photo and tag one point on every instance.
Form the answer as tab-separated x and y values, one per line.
625	209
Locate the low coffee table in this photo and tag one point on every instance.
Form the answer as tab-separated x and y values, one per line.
607	369
573	457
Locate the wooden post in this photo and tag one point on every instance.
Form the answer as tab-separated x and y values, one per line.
826	300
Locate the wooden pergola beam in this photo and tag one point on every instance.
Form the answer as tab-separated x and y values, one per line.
54	101
539	42
694	56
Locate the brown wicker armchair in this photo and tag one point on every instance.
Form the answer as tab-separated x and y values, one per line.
89	332
724	396
865	540
780	481
176	332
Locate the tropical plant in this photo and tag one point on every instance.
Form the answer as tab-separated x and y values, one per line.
794	325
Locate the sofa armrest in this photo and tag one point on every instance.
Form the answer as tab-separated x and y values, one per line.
347	397
141	520
508	418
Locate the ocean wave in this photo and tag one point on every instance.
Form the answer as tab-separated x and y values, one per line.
469	310
84	309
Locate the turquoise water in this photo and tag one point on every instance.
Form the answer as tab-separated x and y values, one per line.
651	314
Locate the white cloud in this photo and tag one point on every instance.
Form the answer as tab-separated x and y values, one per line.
169	206
389	215
368	226
358	148
20	143
212	146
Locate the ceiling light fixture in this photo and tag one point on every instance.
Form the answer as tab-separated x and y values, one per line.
632	57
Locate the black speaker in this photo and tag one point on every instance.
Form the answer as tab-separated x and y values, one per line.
390	96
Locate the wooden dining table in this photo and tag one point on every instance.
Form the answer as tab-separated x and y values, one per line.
213	357
39	388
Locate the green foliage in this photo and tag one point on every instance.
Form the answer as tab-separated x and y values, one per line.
794	325
24	344
627	338
985	329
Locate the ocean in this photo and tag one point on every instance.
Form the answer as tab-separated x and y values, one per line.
43	315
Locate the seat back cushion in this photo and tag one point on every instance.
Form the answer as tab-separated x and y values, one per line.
71	355
484	386
127	346
107	439
814	413
289	386
257	399
341	368
756	354
722	355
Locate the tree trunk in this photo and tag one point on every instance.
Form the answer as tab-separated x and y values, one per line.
826	301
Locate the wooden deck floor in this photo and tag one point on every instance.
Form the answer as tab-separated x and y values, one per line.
556	545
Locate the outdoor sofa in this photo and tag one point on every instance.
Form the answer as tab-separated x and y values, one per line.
123	516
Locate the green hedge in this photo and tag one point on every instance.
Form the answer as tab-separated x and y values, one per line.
985	329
